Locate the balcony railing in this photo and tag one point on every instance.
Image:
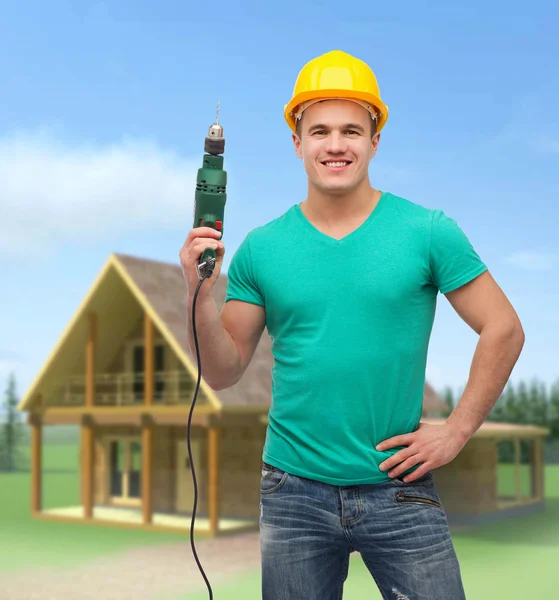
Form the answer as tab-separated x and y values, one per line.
126	389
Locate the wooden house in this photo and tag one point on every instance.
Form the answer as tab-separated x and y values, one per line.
123	373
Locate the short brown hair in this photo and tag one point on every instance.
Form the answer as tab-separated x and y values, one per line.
299	121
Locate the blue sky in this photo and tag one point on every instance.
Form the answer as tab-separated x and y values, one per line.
104	108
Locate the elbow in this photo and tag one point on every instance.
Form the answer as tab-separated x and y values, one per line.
515	334
518	330
217	387
509	332
520	336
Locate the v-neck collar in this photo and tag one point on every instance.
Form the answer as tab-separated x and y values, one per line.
352	234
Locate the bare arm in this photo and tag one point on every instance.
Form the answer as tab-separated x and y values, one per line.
226	341
219	355
484	307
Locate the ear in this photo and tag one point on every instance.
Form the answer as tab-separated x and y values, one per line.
374	144
297	144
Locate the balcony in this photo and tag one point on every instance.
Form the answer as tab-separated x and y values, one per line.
171	388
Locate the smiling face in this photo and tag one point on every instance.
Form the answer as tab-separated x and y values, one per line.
332	131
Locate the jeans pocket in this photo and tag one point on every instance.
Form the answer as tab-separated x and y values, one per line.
429	498
425	480
272	479
421	490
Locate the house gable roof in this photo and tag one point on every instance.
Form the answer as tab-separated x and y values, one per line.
114	267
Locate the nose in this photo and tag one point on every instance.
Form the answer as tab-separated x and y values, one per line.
336	142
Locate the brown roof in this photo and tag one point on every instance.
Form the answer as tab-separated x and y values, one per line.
432	402
163	285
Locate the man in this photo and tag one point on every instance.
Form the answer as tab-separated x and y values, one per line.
348	280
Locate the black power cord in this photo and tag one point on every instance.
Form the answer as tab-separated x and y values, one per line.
206	276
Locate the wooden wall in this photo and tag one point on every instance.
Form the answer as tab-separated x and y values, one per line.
240	467
164	467
163	470
241	463
468	484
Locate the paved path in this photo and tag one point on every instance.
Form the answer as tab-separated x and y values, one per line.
166	572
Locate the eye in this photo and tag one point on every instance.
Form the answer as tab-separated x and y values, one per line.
322	131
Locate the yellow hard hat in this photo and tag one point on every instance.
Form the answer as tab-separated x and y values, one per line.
335	74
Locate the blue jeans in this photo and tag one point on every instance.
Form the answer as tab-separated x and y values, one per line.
308	530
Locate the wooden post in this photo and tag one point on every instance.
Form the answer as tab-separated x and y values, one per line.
147	452
90	354
537	468
87	467
36	464
518	478
148	359
214	476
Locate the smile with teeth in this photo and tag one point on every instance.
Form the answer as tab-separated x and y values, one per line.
337	163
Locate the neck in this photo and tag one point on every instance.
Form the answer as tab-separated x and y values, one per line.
335	208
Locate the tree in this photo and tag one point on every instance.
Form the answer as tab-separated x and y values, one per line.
11	429
449	398
553	419
499	411
537	404
521	412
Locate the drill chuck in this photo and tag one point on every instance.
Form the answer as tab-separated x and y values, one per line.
215	142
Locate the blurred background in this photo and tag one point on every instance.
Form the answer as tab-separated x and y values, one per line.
104	107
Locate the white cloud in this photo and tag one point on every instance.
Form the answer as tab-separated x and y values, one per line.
533	261
52	192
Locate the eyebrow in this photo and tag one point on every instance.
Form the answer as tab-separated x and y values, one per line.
347	126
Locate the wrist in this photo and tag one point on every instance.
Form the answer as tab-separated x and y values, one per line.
461	430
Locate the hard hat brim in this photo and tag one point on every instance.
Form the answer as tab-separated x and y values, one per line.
289	109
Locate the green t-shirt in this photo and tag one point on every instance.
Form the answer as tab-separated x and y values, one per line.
350	322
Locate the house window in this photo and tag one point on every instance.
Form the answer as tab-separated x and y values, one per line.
125	460
138	361
117	467
135	469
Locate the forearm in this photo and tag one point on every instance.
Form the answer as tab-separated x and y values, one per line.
496	353
219	356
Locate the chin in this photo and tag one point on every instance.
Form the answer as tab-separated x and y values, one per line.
341	186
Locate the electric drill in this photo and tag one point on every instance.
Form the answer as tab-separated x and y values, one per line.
210	197
209	206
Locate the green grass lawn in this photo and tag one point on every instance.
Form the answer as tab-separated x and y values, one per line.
26	542
515	559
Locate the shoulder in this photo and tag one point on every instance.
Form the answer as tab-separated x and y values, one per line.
277	227
411	211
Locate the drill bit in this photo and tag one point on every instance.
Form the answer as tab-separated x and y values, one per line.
217	114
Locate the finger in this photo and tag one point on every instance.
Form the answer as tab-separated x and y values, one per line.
399	440
404	466
205	232
205	243
402	457
396	459
419	472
